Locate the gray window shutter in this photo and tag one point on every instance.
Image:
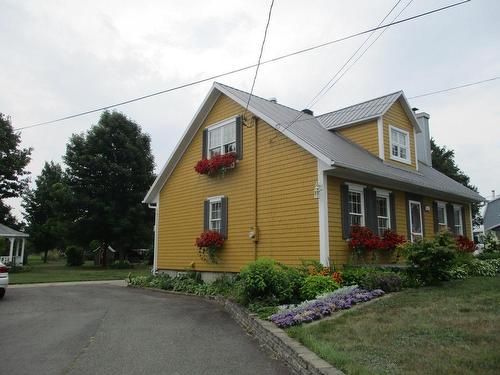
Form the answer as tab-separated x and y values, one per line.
204	147
371	209
239	137
223	224
344	196
392	203
450	217
436	217
206	214
463	221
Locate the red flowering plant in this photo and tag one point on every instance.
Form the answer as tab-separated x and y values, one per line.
390	240
216	165
208	243
465	245
362	240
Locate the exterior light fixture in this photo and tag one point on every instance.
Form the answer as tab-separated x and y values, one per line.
317	189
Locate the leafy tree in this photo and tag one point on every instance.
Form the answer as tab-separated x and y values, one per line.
13	161
443	159
110	169
48	210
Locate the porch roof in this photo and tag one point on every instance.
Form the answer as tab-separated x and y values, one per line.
5	231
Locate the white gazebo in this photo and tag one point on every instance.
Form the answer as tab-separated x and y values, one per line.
17	241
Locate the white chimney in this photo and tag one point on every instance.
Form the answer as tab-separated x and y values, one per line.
493	195
424	139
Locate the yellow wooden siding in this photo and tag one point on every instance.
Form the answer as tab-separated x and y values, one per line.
287	211
364	135
339	251
396	116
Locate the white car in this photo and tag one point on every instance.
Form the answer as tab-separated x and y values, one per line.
4	279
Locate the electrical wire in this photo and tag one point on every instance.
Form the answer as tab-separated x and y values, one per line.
454	88
192	83
260	57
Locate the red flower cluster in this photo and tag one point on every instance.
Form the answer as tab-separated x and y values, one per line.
465	245
217	164
337	277
363	239
210	239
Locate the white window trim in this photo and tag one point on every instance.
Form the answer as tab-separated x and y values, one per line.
421	234
459	208
220	124
441	204
355	188
408	145
216	199
385	194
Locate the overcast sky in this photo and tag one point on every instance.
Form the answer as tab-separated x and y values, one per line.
63	57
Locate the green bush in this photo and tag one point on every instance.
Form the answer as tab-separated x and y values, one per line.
268	280
19	269
162	281
52	255
354	276
487	256
310	264
74	256
429	262
315	285
491	242
481	268
387	281
143	281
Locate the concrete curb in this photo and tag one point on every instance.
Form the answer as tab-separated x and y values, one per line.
296	356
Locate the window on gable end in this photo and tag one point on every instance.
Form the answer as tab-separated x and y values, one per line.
400	144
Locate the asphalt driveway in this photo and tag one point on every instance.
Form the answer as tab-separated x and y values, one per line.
108	329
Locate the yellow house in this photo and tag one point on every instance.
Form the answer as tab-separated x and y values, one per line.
299	182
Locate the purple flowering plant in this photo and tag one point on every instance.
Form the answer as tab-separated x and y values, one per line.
324	305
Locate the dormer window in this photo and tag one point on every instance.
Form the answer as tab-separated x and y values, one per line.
400	144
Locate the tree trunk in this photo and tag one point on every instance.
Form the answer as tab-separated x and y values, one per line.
46	254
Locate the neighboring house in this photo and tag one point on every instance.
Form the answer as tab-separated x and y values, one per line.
492	216
16	245
298	185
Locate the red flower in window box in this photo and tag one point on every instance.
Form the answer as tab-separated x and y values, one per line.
218	164
465	245
208	243
362	239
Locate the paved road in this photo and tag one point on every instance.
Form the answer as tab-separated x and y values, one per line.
109	329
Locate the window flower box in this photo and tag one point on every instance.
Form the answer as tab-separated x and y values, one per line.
208	243
216	165
363	241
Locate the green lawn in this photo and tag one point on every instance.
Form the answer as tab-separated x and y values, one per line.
450	329
56	271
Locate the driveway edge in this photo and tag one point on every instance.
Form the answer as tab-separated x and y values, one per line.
296	356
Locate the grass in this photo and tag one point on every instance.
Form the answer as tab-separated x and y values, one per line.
451	329
56	271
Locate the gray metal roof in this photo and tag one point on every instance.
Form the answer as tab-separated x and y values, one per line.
360	112
343	153
5	231
492	214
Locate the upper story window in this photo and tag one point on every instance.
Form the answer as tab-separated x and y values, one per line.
400	144
383	212
442	216
221	139
356	205
458	219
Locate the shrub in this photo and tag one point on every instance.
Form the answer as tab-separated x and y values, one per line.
162	281
387	281
489	256
140	280
310	267
390	240
481	268
74	256
465	245
18	269
52	255
429	261
495	263
354	276
268	280
491	242
315	285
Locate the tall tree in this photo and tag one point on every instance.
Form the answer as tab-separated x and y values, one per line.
48	210
110	169
443	159
13	175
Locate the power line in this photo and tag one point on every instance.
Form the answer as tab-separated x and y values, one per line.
260	56
362	54
192	83
455	87
325	87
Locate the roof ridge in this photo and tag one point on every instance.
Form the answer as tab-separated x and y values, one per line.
366	101
260	97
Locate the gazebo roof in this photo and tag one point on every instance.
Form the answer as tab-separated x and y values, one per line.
5	231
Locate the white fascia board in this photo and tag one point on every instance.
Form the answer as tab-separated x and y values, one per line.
380	131
274	124
183	144
411	115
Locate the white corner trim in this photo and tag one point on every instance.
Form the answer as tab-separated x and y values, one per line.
324	241
401	160
415	143
380	128
471	222
155	244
